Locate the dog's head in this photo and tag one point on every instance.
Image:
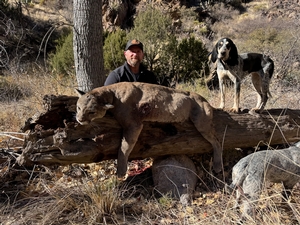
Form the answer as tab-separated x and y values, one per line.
225	50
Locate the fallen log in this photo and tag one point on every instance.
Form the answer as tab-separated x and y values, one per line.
56	138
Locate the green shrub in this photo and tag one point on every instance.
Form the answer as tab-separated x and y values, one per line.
113	49
153	28
166	64
172	61
192	59
182	61
62	61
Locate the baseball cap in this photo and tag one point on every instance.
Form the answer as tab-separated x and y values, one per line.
134	42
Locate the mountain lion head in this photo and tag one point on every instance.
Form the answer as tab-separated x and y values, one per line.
90	107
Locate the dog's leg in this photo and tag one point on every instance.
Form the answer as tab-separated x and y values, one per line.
257	83
237	91
265	90
222	88
266	73
261	83
130	137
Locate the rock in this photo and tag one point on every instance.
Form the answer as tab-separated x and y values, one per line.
175	175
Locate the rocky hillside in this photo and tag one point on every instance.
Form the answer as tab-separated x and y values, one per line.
28	30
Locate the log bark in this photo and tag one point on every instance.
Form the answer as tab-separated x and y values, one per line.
56	138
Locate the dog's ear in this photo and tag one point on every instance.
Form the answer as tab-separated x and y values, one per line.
214	53
233	55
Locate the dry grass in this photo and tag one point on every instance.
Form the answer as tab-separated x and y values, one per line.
88	194
53	197
23	103
31	88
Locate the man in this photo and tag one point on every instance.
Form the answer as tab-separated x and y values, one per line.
132	70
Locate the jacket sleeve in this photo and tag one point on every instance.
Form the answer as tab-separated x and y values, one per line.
112	78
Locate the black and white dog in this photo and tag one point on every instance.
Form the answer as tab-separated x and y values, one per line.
236	67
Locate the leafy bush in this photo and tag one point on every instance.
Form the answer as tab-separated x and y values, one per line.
165	65
153	28
192	59
62	61
182	61
172	61
113	49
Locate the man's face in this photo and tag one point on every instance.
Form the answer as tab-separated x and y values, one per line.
134	56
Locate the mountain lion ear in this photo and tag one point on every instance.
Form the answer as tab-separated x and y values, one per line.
108	106
80	93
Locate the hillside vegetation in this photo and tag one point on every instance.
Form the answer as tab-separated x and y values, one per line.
89	194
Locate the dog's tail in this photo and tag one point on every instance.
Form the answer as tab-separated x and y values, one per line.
271	67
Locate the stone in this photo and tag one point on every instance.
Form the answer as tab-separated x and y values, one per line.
175	175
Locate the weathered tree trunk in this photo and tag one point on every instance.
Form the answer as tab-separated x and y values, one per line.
87	42
56	138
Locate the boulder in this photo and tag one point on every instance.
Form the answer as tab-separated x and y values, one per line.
175	175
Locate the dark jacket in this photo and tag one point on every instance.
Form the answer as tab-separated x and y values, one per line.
124	74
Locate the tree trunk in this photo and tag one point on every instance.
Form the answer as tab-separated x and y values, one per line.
56	138
87	44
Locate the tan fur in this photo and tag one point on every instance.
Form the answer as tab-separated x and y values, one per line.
131	103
